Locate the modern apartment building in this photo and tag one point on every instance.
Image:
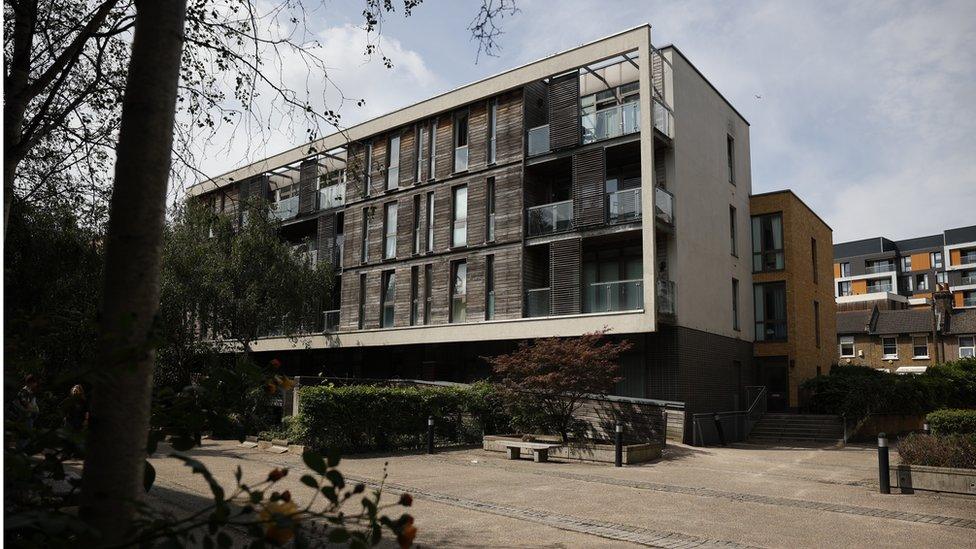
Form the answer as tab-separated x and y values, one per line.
607	186
881	269
792	295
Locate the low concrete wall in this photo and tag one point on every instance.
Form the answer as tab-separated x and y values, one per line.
602	453
908	478
890	424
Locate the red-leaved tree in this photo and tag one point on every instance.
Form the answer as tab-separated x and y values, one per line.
553	376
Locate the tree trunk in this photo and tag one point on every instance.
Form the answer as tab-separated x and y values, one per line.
112	479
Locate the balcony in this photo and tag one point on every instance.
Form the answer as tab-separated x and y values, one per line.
285	209
665	297
663	119
537	302
611	122
663	206
880	268
624	206
538	140
966	280
550	218
967	258
878	288
330	321
331	197
617	295
969	302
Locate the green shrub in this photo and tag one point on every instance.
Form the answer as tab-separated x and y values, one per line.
938	451
952	422
359	418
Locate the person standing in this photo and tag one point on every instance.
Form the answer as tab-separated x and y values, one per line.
26	401
75	409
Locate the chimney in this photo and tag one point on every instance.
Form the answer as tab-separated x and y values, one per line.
942	309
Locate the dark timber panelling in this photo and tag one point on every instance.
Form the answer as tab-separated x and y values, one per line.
445	147
326	238
307	192
564	117
588	188
536	104
509	127
404	227
565	264
354	172
408	162
477	135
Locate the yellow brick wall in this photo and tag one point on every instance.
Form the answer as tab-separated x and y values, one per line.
874	353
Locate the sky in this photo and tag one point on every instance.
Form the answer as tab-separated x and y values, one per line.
865	109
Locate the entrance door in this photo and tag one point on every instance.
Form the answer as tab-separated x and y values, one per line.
776	377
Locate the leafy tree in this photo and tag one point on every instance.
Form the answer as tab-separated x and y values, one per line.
554	375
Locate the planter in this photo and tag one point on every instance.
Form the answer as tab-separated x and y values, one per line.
590	451
909	478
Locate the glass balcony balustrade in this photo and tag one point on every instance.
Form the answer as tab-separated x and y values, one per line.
285	209
663	205
332	196
537	302
611	122
879	268
878	288
538	140
617	295
624	206
550	218
330	321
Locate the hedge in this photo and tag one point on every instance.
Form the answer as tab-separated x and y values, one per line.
938	451
952	422
359	418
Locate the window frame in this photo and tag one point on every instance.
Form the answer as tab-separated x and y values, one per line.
393	154
432	151
492	153
457	221
415	317
845	269
418	148
428	292
362	301
430	221
915	355
936	264
390	230
490	287
762	320
762	251
462	120
364	239
490	206
735	305
884	343
733	234
906	263
457	315
368	169
730	154
846	340
388	299
971	346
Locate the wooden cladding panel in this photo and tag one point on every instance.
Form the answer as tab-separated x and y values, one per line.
405	227
476	288
408	160
478	135
565	265
326	237
354	172
307	187
536	105
352	227
509	128
442	218
859	287
372	299
374	235
508	283
401	299
564	114
445	147
588	188
836	270
958	299
508	204
349	306
477	194
441	289
920	262
955	257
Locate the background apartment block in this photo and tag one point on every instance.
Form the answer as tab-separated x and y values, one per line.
792	294
603	187
875	269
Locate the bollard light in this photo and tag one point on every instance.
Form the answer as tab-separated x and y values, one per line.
884	474
618	443
925	428
430	434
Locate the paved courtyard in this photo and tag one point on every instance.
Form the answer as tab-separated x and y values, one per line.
746	496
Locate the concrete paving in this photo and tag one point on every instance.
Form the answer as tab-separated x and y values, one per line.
747	496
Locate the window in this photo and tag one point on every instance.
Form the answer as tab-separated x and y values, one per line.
461	142
847	346
922	282
942	277
732	239
459	220
368	167
920	347
364	241
767	242
730	153
387	298
389	230
906	283
428	291
816	321
735	304
418	147
459	290
430	221
845	269
967	346
362	301
432	150
415	296
770	308
393	163
492	129
844	288
889	347
490	210
489	287
935	259
416	224
813	257
906	263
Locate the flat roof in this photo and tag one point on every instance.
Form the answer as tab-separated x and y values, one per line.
798	199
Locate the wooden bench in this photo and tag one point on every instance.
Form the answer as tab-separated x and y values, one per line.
540	450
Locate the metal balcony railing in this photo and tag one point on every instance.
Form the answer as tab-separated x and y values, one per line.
623	206
611	122
330	321
663	119
971	279
331	197
616	295
285	209
550	218
665	297
663	205
537	302
538	140
967	258
880	268
969	302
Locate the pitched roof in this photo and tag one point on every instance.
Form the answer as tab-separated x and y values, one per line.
903	321
854	322
962	322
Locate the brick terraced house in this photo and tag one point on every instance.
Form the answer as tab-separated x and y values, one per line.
607	186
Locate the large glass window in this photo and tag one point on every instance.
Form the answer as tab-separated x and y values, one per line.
613	280
611	113
387	298
417	231
967	346
459	222
489	287
432	150
362	301
430	221
935	258
490	210
770	305
767	242
847	346
364	240
906	263
845	269
393	162
844	288
492	129
389	230
922	282
889	347
459	291
461	142
418	147
415	301
428	291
